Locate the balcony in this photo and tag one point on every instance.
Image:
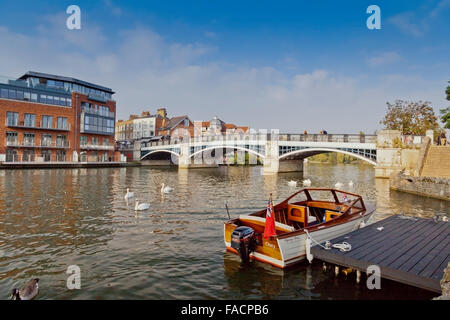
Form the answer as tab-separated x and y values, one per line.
98	113
39	126
36	144
97	147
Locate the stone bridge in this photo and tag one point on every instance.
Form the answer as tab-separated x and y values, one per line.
277	152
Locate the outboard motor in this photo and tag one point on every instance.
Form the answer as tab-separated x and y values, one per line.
243	240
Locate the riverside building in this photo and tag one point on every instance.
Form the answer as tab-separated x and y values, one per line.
50	118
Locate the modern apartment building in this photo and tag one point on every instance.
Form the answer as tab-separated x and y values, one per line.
45	117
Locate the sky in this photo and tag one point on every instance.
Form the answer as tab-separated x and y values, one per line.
287	65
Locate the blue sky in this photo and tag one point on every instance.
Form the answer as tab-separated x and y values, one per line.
291	65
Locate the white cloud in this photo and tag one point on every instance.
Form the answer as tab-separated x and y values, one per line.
147	71
383	59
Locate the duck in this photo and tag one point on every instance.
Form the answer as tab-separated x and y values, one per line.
307	182
141	206
165	189
292	183
129	194
338	185
28	292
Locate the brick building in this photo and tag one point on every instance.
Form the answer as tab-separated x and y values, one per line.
45	117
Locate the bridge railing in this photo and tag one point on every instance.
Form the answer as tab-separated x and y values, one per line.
350	138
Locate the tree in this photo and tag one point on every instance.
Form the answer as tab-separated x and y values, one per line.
445	113
410	117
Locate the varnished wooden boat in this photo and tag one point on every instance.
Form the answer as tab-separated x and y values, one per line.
324	213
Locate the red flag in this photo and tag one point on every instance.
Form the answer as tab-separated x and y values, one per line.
269	229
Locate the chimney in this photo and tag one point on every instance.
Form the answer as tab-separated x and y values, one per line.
162	112
145	114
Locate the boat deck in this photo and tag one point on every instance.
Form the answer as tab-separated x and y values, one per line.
410	250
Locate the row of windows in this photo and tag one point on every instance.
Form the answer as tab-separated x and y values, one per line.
96	109
100	125
68	86
94	141
12	119
29	155
34	97
29	139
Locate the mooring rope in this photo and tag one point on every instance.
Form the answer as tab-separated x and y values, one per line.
343	247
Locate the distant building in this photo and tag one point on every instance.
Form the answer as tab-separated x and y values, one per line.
54	118
217	126
177	126
138	128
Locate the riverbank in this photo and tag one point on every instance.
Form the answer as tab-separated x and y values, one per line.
66	165
438	188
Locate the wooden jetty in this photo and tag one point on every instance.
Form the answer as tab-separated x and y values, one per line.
410	250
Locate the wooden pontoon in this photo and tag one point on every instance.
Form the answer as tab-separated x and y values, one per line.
324	214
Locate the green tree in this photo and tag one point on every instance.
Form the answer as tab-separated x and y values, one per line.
410	117
445	113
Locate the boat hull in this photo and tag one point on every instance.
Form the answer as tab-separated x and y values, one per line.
283	252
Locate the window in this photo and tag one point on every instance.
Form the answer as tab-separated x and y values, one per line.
28	139
56	100
186	122
12	94
19	95
4	93
30	120
105	141
62	123
60	155
28	155
50	99
69	102
12	118
94	141
83	140
61	141
34	97
47	155
11	155
62	101
47	122
26	96
43	98
11	138
46	140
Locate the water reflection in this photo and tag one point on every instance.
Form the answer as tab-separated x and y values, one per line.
51	219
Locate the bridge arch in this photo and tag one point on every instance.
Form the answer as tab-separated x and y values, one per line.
158	151
228	147
324	150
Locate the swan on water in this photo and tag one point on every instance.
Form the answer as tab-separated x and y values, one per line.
350	183
129	194
292	183
28	292
141	206
307	182
338	185
165	189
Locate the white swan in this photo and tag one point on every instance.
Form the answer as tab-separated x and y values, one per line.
350	183
338	185
292	183
129	194
165	189
141	206
307	182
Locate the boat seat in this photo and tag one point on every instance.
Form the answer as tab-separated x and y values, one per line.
262	222
330	215
297	213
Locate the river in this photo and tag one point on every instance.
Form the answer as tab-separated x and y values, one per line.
52	219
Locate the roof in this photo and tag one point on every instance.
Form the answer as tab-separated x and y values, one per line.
66	79
229	126
173	122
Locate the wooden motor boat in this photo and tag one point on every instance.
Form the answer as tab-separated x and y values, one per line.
302	213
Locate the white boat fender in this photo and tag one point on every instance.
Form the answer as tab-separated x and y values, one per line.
309	255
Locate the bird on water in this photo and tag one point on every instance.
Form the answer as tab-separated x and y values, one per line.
28	292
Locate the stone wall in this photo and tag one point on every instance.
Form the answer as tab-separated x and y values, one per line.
445	284
425	186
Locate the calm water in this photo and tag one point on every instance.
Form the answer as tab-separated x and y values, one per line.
51	219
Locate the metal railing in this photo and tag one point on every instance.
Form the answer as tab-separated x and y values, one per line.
38	126
97	147
38	144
